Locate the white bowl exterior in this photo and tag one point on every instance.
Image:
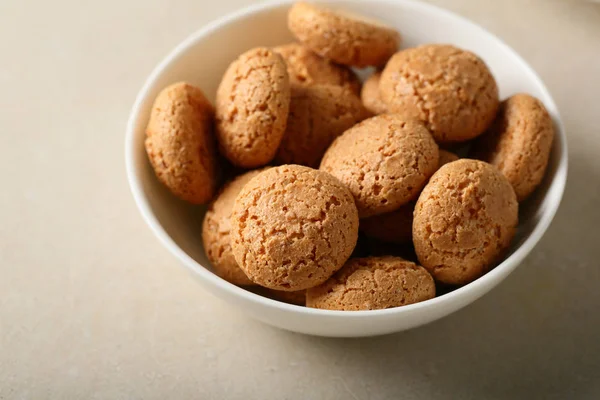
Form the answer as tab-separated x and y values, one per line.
202	59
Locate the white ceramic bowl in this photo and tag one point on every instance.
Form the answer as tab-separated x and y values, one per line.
201	60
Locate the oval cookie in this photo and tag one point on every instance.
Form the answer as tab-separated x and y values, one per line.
318	114
450	90
342	37
464	220
373	283
519	143
293	227
180	143
252	105
396	226
384	161
216	230
307	68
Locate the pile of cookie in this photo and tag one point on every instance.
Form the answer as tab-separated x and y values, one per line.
345	196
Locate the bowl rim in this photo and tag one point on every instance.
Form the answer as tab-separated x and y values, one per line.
490	279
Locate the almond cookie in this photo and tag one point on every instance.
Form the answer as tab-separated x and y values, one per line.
519	142
216	230
396	226
464	220
180	142
252	105
384	161
318	114
373	283
292	227
307	68
370	96
342	37
450	90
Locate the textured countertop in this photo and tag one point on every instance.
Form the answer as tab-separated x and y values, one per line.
92	307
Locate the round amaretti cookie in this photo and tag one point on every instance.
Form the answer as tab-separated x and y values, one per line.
384	161
464	220
180	142
370	96
216	230
308	68
341	36
373	283
252	106
396	226
519	142
293	227
318	114
450	90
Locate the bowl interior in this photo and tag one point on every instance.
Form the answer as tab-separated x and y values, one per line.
203	58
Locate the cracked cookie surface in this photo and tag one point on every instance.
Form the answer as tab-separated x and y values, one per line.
180	143
318	114
384	161
464	221
308	68
344	38
373	283
396	226
450	90
252	105
216	230
293	227
519	142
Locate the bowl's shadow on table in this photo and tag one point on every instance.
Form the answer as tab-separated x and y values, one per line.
528	335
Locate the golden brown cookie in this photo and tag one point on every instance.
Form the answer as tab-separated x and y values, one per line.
384	161
342	37
318	114
180	142
373	283
293	227
216	230
396	226
450	90
464	220
370	96
307	68
518	143
252	105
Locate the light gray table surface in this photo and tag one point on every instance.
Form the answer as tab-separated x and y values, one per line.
92	307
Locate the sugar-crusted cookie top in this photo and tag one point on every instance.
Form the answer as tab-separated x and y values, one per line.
384	161
180	142
292	227
307	68
464	219
450	90
341	37
373	283
318	114
252	106
519	142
